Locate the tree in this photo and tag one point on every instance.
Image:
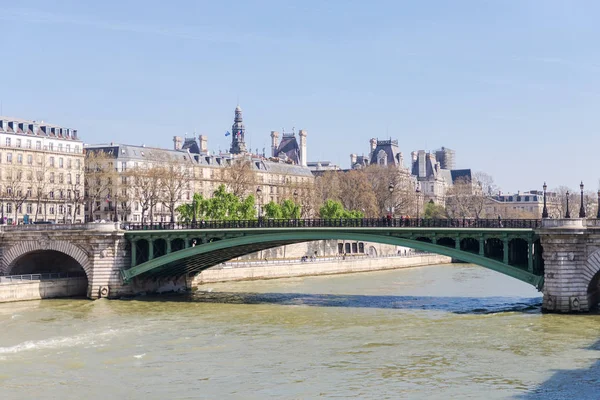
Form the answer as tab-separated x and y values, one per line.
332	209
403	198
17	190
174	178
464	200
286	210
222	206
100	175
146	183
240	177
434	211
356	192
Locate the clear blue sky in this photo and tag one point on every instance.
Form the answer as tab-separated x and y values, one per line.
512	86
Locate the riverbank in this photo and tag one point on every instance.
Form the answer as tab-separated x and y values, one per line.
21	290
239	271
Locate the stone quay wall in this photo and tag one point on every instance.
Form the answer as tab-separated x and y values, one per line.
281	269
46	289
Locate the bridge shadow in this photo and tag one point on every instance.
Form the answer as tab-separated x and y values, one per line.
581	384
459	305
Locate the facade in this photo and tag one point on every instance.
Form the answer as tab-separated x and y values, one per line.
41	172
432	172
278	177
519	205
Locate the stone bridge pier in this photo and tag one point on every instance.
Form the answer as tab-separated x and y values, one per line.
571	252
99	251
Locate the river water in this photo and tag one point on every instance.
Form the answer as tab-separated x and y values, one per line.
438	332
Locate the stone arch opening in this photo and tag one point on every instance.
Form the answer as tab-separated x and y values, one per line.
423	239
68	276
195	242
592	267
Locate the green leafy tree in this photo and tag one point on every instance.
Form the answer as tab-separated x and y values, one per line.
222	206
272	210
332	209
290	210
434	211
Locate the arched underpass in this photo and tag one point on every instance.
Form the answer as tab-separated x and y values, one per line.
56	274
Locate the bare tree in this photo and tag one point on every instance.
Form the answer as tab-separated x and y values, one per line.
146	183
17	190
402	197
240	177
100	175
174	178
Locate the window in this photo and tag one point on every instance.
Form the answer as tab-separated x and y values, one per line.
8	142
51	146
51	177
19	158
51	209
69	179
68	147
77	179
51	195
29	208
29	159
76	149
9	158
52	161
28	143
18	142
38	145
78	164
9	208
61	209
124	180
60	162
68	163
61	178
60	148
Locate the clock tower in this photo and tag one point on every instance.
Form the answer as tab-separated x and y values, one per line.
238	131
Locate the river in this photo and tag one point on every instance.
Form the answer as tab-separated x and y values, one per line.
437	332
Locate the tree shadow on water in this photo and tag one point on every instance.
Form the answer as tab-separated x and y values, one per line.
459	305
579	384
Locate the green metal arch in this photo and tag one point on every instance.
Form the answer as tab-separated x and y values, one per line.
304	236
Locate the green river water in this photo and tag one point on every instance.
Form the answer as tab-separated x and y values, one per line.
437	332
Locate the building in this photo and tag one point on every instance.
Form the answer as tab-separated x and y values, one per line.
433	173
521	205
193	169
41	172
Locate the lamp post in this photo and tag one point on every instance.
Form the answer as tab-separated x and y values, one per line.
259	200
391	190
545	209
568	214
581	207
418	191
295	194
598	214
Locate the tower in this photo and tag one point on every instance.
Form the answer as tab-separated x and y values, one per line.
303	159
177	141
274	143
372	147
238	131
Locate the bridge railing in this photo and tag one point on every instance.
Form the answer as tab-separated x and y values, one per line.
346	223
40	277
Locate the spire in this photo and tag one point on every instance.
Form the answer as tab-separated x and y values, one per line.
238	133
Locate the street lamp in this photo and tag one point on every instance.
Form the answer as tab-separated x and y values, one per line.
391	190
598	214
581	208
568	214
418	191
545	209
259	198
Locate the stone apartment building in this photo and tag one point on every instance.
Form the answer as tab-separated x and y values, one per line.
521	205
282	175
41	172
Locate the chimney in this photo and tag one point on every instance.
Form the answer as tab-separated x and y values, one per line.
274	143
203	144
437	166
401	159
302	134
373	145
352	160
177	142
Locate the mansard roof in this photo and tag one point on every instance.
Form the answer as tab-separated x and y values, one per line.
289	147
391	150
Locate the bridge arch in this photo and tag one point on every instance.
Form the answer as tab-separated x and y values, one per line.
195	259
17	252
591	273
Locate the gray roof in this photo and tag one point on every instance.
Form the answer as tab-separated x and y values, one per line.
390	148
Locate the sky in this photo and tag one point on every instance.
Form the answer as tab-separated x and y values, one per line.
513	86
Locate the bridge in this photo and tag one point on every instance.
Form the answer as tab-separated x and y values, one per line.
561	257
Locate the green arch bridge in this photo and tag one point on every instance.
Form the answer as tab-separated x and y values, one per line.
511	247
